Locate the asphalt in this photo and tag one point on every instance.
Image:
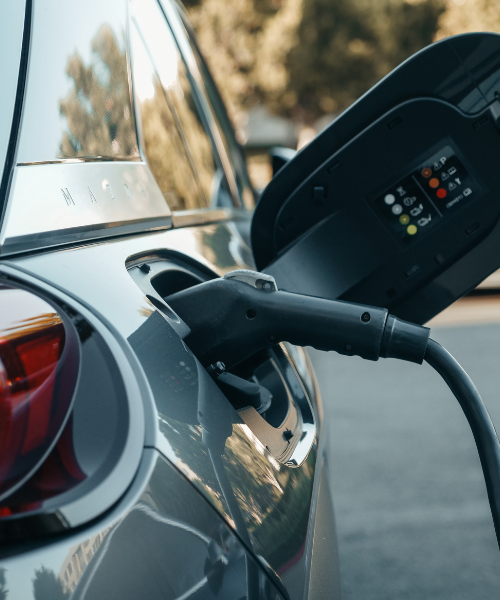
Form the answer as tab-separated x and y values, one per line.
412	514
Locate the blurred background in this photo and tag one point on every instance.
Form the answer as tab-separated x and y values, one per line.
287	68
412	513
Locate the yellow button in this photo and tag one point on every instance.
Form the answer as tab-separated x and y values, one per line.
404	219
411	229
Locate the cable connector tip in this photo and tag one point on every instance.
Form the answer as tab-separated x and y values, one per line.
404	340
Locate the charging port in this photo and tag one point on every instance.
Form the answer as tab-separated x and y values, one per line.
265	388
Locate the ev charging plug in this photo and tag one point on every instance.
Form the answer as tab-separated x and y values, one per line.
234	317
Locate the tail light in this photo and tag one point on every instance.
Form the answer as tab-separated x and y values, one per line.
39	364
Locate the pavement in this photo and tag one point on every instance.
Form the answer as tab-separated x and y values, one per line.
412	513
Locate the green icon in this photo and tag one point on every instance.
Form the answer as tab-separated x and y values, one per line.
404	219
411	229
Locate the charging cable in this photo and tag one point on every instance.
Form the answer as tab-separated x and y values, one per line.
482	427
234	317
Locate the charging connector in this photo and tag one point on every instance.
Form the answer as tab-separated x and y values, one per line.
235	317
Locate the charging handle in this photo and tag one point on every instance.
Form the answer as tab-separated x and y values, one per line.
234	317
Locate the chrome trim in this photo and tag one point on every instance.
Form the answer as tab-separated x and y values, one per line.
201	216
80	159
55	204
295	356
204	216
261	281
143	280
103	492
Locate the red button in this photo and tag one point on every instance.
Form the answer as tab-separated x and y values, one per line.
441	193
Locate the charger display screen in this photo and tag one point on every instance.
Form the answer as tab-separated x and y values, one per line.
436	189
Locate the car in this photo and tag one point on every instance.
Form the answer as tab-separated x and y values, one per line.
134	462
125	471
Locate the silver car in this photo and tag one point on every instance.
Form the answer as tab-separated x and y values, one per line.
133	463
125	472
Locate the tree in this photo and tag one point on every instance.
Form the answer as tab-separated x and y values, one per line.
3	583
465	17
245	43
346	46
308	58
98	108
46	586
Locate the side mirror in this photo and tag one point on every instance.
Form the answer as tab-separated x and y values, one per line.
396	203
280	156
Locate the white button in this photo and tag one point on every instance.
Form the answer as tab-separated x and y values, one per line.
389	199
397	209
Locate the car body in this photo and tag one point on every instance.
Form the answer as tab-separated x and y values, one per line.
123	184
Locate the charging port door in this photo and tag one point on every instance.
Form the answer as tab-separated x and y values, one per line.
396	203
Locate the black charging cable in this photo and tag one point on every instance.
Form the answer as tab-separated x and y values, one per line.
234	317
482	427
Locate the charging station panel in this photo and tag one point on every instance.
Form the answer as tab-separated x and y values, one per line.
402	212
440	186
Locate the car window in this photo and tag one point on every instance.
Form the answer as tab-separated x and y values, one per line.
178	148
161	139
11	40
77	100
221	119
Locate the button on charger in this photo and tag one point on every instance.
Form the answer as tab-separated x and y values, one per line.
472	228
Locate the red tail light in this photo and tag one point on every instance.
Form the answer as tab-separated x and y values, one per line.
39	362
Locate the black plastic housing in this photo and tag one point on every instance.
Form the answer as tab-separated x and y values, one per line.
231	320
317	227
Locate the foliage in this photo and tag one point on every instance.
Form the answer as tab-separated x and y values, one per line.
166	153
46	585
466	16
3	583
346	46
98	107
246	43
308	58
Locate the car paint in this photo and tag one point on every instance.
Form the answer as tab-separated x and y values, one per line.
274	516
278	524
158	543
